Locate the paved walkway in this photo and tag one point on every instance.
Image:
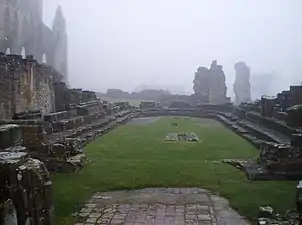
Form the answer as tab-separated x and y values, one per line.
158	206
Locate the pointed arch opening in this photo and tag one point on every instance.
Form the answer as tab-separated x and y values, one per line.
23	53
44	58
7	51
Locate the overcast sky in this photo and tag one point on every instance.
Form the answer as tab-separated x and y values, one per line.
125	43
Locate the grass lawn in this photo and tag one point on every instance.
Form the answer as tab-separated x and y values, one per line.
135	156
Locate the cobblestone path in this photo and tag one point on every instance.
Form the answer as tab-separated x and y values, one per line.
158	206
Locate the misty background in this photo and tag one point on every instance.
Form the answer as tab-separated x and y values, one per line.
130	44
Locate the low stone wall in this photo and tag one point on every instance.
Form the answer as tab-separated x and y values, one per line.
171	112
31	86
271	123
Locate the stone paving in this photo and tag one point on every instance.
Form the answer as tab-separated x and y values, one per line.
158	206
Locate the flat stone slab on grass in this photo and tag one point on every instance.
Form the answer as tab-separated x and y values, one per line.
143	120
190	137
159	206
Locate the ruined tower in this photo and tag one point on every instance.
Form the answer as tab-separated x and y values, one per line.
60	44
242	85
218	88
201	84
22	31
209	84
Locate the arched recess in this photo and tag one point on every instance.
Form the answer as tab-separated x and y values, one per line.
44	58
7	51
23	53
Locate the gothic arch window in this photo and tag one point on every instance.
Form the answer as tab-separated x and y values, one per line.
44	58
7	51
23	53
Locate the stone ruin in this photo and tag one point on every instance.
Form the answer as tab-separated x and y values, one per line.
44	125
53	121
26	189
242	85
147	105
189	137
180	105
209	84
201	83
272	124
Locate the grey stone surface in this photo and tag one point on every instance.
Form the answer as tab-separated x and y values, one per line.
182	137
31	86
159	206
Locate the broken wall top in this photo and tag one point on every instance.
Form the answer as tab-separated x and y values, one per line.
12	63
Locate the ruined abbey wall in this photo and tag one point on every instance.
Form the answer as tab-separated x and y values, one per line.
22	31
25	85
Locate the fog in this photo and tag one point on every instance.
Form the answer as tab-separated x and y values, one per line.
127	43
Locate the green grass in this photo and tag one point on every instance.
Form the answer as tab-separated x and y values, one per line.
135	156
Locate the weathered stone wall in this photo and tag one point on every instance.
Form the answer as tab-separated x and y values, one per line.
201	83
242	85
25	190
67	99
22	31
25	85
209	84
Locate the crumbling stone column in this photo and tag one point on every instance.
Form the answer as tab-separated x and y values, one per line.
209	84
25	190
201	84
242	86
217	84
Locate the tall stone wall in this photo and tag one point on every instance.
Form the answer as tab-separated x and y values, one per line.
201	83
23	31
209	84
218	88
25	85
242	85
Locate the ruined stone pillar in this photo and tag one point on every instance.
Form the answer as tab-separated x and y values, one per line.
242	86
25	190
